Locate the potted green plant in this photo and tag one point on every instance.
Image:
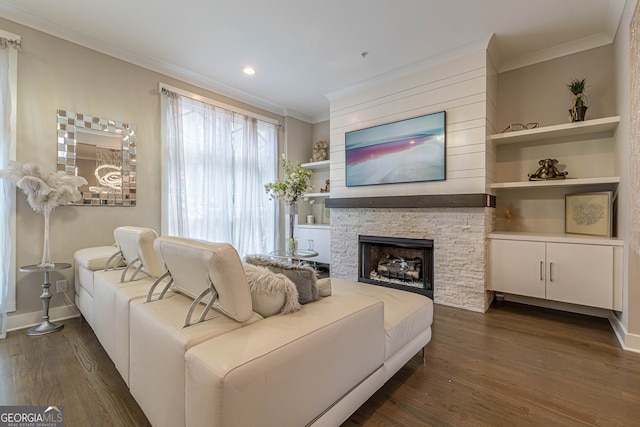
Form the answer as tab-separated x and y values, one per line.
578	99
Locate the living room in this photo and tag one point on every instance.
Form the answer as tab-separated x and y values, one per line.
480	97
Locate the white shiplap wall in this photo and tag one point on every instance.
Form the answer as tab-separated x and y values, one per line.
457	86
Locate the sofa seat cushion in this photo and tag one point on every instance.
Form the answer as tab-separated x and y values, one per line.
406	314
124	295
285	370
94	259
158	342
88	261
106	285
84	302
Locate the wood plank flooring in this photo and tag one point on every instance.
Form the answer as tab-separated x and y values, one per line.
67	368
516	365
512	366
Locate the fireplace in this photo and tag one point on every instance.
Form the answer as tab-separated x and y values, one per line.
395	262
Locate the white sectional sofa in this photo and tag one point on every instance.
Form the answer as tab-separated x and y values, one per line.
233	366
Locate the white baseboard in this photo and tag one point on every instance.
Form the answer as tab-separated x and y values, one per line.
27	320
629	342
555	305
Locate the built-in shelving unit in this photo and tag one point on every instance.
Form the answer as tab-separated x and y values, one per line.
322	165
529	242
607	124
590	133
317	195
536	208
315	236
320	175
569	182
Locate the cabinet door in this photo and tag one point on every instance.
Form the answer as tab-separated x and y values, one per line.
320	240
580	274
518	267
303	235
314	238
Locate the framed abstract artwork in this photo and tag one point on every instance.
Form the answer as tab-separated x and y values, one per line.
411	150
589	213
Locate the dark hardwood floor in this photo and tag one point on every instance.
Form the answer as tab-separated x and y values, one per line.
512	366
68	368
515	365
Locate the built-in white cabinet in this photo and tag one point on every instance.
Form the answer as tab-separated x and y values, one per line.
529	253
584	271
315	238
518	267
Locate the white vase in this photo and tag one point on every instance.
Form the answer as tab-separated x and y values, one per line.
291	244
46	252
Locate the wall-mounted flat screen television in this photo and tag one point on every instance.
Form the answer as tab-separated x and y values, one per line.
411	150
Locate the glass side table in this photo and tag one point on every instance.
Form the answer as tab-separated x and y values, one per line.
295	257
297	254
45	327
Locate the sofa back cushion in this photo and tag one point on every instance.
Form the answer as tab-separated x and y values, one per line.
194	264
137	242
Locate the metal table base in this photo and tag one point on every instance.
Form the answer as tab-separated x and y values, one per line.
45	327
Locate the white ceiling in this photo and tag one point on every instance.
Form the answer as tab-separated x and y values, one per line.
303	50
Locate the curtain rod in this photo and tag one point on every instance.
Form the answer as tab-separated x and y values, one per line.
15	43
166	87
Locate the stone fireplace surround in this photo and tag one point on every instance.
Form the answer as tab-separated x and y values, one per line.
460	251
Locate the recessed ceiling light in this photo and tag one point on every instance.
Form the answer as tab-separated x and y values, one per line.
249	71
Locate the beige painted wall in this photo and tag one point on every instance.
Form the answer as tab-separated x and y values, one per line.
298	137
55	74
630	317
633	278
538	93
320	132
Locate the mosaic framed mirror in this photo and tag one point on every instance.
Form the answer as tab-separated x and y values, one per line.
102	151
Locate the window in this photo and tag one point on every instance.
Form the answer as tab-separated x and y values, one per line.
215	165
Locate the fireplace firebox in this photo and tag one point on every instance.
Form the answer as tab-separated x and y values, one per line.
396	262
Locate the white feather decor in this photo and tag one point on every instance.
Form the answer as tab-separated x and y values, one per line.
45	191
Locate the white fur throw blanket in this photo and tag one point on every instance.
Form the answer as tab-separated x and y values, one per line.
265	282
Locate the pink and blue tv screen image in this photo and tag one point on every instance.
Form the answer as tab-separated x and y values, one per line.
411	150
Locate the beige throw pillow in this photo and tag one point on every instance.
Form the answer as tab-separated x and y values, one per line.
271	293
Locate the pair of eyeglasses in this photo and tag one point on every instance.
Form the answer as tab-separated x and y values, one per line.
519	126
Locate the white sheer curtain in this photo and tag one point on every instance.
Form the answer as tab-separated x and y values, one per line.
5	187
216	164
